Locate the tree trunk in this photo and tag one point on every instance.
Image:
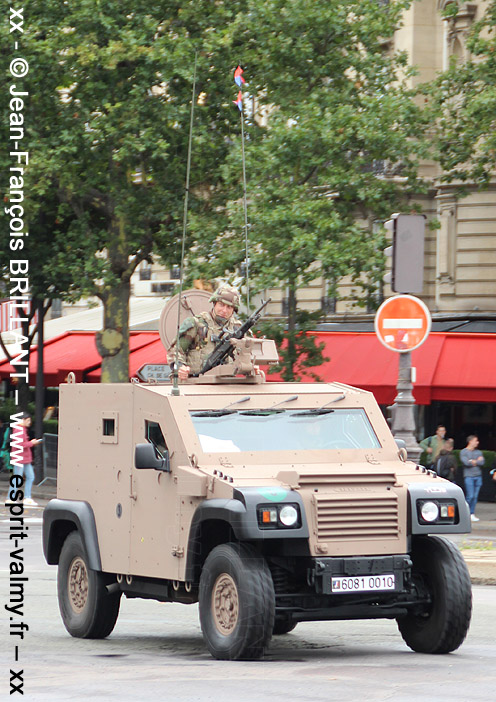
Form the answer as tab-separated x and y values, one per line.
113	342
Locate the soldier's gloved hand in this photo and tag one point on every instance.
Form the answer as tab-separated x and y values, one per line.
183	372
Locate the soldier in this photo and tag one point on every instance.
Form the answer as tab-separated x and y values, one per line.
198	335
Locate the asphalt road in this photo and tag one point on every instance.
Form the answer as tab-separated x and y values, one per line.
156	652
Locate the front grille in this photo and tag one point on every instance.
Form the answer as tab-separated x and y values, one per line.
323	480
356	516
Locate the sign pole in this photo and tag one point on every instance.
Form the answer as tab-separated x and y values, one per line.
402	324
403	425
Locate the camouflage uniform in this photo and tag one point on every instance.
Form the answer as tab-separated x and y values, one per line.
196	336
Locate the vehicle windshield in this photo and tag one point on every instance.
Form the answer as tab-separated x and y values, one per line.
288	430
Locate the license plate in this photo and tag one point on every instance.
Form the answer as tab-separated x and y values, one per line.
362	583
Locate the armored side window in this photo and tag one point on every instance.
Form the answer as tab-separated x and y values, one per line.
153	434
110	427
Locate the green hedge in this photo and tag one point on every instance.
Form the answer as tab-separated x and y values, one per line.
489	458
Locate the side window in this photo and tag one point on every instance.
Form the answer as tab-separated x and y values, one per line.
153	434
109	428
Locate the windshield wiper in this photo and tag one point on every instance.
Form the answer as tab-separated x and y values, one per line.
319	410
270	410
221	412
213	413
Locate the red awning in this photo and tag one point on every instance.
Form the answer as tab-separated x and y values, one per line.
73	351
466	369
451	367
153	352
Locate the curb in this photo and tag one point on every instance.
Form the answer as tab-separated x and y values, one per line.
481	566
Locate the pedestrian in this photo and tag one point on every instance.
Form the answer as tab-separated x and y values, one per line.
5	449
433	445
492	472
26	469
446	462
198	335
472	460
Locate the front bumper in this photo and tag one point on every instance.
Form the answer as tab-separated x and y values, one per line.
322	570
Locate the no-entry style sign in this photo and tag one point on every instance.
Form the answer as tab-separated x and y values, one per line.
402	323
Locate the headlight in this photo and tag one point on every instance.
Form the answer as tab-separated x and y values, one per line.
288	515
434	511
429	511
282	516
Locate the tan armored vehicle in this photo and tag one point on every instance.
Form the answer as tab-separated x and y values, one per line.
267	503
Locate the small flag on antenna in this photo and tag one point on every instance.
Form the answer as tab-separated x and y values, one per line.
239	101
238	76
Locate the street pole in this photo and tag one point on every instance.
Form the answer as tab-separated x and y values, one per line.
39	393
403	425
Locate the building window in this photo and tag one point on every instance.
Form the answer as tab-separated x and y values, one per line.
164	288
458	26
145	273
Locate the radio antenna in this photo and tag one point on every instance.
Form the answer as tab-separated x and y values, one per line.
175	383
239	80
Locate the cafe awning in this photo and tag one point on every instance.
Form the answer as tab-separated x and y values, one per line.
74	351
450	366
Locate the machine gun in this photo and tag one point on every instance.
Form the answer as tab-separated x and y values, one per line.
224	347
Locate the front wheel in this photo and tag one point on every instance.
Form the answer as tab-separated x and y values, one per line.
88	610
442	576
237	602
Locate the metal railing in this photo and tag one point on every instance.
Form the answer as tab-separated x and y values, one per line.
50	452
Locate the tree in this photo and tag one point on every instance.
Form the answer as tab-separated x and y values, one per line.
108	137
338	148
463	103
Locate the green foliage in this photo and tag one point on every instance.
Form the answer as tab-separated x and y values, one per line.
336	108
107	123
108	112
300	362
462	105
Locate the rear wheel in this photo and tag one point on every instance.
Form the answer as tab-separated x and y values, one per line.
442	575
88	610
283	624
237	602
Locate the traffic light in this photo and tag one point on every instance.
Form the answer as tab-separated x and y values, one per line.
407	253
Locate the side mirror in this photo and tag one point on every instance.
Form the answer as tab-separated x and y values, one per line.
145	457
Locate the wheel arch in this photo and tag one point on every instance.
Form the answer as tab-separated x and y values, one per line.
60	518
214	522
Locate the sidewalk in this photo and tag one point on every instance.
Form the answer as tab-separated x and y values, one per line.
478	547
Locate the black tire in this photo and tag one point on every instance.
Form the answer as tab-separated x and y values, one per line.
88	610
237	602
283	624
441	572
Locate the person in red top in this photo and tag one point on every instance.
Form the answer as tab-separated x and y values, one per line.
27	460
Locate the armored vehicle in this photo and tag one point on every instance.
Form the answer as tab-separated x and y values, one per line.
267	503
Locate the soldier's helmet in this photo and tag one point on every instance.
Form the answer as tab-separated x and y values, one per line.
226	294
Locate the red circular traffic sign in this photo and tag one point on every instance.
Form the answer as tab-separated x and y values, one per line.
402	323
